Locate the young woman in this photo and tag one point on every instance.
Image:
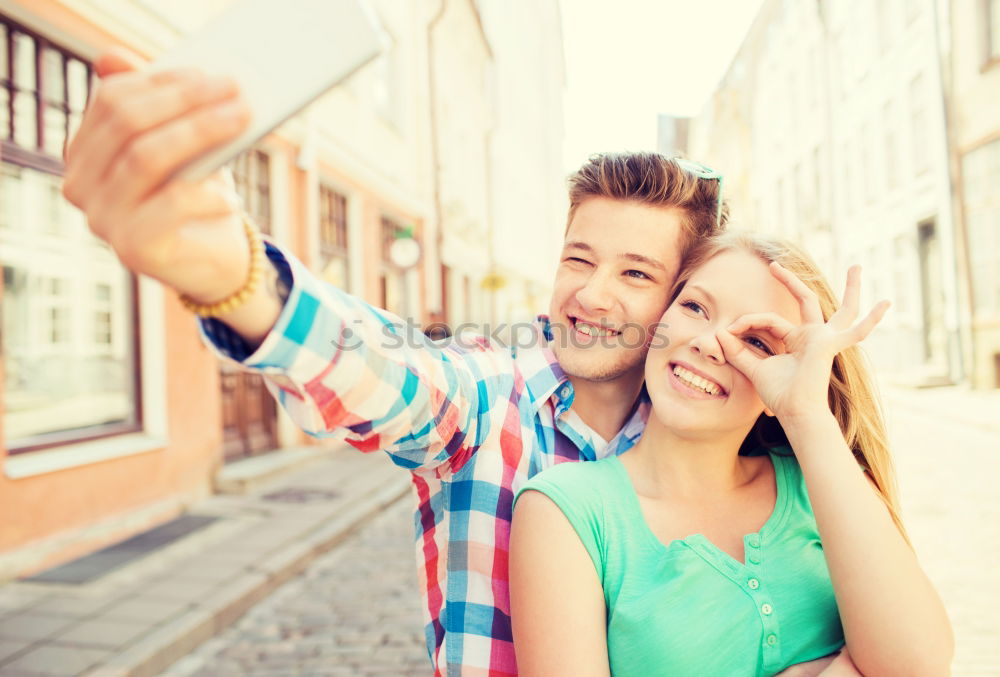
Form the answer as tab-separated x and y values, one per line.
755	525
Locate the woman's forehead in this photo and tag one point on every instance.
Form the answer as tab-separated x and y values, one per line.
741	282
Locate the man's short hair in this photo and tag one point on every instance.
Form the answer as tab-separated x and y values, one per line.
656	180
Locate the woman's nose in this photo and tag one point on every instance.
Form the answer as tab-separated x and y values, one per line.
707	345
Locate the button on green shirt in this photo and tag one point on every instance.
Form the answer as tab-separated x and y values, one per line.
689	608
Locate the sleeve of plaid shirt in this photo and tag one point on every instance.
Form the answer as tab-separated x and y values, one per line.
343	368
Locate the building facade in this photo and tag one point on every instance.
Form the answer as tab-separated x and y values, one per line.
103	378
830	127
974	64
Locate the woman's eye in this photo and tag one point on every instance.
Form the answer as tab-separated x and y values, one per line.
759	345
638	274
692	306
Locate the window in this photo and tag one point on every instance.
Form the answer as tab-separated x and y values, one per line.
919	132
44	91
903	249
386	85
334	254
891	154
886	27
68	311
392	276
102	316
866	158
992	26
252	175
981	177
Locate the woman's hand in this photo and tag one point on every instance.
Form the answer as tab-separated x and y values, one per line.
795	382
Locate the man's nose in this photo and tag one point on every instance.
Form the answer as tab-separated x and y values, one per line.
596	295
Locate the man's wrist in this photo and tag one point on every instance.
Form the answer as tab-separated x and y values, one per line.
255	319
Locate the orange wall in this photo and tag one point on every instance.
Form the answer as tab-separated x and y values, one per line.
35	509
38	507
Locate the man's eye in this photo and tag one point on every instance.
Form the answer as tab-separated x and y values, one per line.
576	259
758	344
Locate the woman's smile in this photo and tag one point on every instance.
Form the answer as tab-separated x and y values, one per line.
692	383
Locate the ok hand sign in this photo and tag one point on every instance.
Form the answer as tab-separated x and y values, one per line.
795	383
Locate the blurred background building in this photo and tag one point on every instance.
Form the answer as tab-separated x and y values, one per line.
831	128
868	132
452	136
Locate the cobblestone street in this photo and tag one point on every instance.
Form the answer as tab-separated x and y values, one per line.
357	612
948	476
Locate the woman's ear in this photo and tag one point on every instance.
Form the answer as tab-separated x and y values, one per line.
768	413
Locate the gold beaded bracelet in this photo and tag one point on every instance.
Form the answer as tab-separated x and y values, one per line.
239	297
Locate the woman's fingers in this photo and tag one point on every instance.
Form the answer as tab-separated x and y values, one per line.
772	323
737	354
808	301
860	331
848	311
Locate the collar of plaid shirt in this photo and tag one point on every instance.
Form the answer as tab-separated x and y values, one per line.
500	417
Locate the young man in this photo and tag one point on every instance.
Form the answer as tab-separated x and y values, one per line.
470	422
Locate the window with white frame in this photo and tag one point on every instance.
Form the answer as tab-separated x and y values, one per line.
981	184
903	259
252	175
386	85
919	132
392	277
992	23
65	379
891	151
333	245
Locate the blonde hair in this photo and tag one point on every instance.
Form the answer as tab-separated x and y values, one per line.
656	180
852	395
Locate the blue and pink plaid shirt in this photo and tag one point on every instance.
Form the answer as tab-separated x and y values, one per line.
471	421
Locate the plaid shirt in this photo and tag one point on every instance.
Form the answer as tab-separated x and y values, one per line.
471	421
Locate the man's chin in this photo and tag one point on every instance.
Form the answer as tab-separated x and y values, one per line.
591	365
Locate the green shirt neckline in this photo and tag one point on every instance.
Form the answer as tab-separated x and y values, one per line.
697	542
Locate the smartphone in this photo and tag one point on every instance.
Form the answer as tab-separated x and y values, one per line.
284	55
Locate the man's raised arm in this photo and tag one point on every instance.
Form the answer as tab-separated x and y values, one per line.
139	129
340	367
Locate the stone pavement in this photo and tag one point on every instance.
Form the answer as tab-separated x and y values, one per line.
946	443
139	619
356	612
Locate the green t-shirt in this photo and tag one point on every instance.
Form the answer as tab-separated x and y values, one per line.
689	608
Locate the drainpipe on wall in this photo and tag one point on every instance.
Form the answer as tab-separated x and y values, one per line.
439	311
964	352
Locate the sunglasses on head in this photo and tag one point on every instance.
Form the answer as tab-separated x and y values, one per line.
703	172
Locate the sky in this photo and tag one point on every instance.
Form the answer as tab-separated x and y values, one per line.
629	60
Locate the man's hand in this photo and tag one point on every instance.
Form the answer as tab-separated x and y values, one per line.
835	665
138	130
808	669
